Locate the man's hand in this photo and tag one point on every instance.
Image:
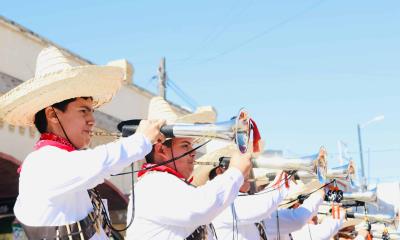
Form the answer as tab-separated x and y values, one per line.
322	193
279	179
241	162
151	130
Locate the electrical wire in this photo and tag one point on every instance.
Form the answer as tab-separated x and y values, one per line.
185	97
213	36
263	33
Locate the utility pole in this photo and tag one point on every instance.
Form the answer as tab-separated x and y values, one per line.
359	126
369	166
363	182
162	77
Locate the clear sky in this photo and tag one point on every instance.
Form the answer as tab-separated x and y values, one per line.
308	71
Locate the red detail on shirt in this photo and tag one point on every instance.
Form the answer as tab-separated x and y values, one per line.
50	139
162	168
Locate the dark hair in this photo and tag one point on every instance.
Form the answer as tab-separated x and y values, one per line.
213	173
150	157
296	176
40	117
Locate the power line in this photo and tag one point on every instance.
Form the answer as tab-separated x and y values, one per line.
212	36
261	34
185	97
150	84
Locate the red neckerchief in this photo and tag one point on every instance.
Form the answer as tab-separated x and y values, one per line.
162	168
50	139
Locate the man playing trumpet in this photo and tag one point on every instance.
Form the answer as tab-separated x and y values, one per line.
243	219
167	206
56	179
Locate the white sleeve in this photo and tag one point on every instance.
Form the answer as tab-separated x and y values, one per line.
197	206
255	208
359	237
326	229
57	171
291	220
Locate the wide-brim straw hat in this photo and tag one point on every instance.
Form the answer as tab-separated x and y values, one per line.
159	108
211	160
56	79
260	176
351	222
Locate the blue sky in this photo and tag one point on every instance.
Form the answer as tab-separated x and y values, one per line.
308	71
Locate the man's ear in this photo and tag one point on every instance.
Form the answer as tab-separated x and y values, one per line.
160	151
219	171
50	115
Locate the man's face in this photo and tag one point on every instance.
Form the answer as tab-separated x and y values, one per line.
78	121
179	146
314	220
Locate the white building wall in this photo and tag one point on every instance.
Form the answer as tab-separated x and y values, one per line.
17	53
15	141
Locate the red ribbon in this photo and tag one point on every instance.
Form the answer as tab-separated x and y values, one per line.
256	136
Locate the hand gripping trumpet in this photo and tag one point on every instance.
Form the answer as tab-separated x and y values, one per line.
358	199
315	165
238	129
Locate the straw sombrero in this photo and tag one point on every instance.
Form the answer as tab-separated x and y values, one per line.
261	176
210	161
159	108
56	79
351	222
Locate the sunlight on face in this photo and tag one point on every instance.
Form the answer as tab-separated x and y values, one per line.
78	121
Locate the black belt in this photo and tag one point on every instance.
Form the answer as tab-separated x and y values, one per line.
82	230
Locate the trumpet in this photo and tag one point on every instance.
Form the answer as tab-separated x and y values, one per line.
315	164
382	218
357	199
367	196
238	129
344	172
